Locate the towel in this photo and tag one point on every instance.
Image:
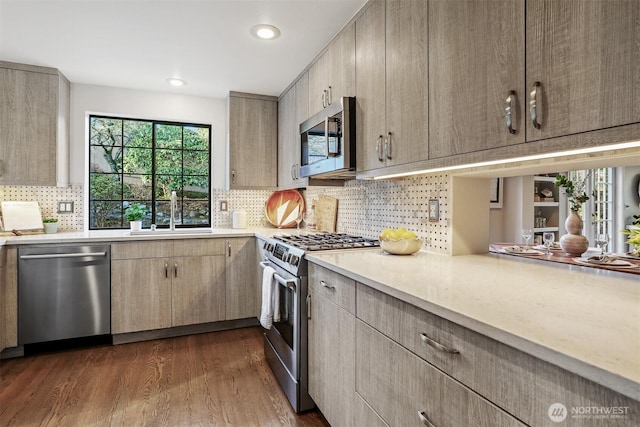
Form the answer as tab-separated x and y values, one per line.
268	283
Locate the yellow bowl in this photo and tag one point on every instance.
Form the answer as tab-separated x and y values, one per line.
401	246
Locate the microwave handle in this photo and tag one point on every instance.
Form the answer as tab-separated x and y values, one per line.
329	152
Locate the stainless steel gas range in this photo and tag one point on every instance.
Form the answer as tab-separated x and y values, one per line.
285	345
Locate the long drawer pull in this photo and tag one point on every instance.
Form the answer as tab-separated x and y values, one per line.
72	255
424	419
437	345
326	285
509	112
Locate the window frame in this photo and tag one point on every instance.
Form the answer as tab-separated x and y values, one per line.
152	212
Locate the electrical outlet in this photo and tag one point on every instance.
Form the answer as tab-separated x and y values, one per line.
224	206
434	210
65	207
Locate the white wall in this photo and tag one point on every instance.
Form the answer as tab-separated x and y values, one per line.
89	99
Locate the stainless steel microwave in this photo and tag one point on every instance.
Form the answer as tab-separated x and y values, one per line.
328	142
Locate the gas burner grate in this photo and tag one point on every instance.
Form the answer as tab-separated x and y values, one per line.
327	241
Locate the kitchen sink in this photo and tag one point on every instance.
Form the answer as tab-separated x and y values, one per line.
165	231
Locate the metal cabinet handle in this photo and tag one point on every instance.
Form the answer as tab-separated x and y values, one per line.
324	98
437	345
509	111
379	148
329	96
326	285
309	307
424	419
387	146
175	269
166	270
533	104
292	173
233	176
229	249
1	167
72	255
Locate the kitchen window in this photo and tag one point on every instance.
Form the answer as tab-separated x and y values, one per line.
143	161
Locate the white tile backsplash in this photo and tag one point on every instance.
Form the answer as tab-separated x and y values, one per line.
364	207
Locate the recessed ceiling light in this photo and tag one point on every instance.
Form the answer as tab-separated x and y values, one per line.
265	32
174	81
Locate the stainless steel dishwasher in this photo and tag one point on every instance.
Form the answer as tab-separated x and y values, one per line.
64	291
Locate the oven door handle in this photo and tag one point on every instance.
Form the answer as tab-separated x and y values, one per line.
289	283
264	264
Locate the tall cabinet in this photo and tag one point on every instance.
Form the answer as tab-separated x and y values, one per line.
391	84
34	125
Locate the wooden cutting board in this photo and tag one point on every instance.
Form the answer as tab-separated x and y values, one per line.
326	213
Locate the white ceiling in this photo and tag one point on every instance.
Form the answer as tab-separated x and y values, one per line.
140	43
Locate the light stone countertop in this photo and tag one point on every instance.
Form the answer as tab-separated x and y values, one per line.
124	236
584	320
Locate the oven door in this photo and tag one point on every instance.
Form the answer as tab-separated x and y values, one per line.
284	334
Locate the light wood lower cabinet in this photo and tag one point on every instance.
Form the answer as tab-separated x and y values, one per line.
519	383
150	291
241	278
407	391
8	298
332	345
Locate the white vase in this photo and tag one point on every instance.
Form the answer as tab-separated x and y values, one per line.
574	243
50	227
135	225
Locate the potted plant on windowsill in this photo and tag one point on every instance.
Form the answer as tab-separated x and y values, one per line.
50	224
134	215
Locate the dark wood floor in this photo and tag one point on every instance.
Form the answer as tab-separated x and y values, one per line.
218	378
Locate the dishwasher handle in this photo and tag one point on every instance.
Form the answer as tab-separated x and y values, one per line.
73	255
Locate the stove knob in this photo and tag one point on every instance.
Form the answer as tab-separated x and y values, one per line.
294	260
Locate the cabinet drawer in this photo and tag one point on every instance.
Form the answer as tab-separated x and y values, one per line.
515	381
402	388
134	250
199	247
333	286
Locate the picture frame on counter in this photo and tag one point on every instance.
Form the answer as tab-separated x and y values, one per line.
495	193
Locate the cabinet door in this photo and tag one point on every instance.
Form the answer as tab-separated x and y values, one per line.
342	64
197	290
370	87
407	81
302	114
253	141
287	142
333	74
28	113
402	388
476	57
8	298
585	55
332	360
241	298
140	294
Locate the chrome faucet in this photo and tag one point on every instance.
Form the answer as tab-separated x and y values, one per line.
174	206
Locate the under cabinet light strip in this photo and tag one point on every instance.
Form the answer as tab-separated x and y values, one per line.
621	146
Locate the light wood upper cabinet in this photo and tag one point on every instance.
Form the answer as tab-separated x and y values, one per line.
253	140
476	58
241	296
332	76
293	109
585	55
34	122
392	84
